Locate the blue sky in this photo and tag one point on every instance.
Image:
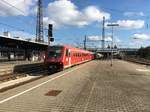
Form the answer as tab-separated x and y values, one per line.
73	19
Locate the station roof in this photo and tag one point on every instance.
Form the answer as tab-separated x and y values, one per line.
21	43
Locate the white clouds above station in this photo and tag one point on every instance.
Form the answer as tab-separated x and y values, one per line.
131	14
98	38
16	7
94	38
141	36
130	24
65	12
138	40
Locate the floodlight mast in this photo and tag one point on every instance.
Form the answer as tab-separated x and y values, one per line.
112	25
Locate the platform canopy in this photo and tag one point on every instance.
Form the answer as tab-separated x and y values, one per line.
17	43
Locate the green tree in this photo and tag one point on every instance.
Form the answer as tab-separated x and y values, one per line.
144	52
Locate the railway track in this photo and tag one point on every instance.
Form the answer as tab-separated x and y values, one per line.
34	71
138	60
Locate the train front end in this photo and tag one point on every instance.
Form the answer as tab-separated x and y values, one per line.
54	57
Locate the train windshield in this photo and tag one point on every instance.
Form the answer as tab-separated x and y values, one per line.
55	52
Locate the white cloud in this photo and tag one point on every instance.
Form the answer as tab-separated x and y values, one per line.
16	7
98	38
131	14
136	43
94	38
59	12
108	39
117	40
64	12
47	21
141	37
92	13
129	24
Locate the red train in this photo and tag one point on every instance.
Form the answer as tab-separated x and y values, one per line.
60	57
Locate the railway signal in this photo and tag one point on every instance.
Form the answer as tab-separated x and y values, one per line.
50	33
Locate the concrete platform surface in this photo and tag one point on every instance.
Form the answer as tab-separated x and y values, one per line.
90	87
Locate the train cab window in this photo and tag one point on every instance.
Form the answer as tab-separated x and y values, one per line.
55	52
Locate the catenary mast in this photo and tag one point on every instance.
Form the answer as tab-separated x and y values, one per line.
39	23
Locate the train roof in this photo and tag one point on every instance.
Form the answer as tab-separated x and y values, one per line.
70	47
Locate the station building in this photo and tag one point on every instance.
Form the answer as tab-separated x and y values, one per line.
15	48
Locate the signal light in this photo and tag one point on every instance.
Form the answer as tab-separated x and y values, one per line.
50	33
50	27
50	30
51	39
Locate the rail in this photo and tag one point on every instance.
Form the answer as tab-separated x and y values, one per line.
138	60
34	71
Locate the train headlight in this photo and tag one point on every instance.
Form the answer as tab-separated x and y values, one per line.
60	63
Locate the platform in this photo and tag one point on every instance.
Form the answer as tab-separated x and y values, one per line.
91	87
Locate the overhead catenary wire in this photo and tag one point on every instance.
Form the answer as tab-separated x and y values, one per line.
21	11
14	7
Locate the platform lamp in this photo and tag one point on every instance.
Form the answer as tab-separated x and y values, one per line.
50	34
112	25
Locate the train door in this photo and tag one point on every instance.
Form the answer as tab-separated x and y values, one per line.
68	57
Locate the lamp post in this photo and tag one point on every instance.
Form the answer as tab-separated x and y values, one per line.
112	25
